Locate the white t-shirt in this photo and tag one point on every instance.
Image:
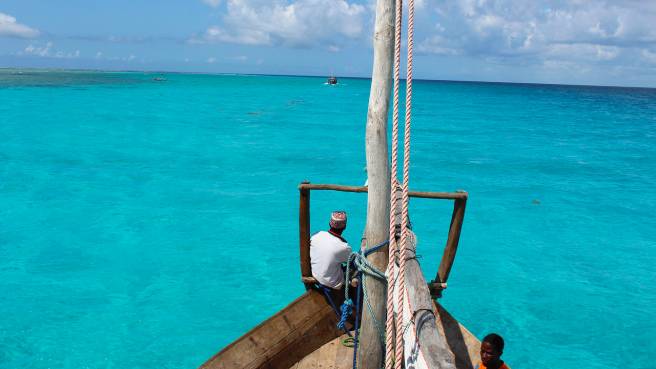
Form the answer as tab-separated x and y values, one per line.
327	253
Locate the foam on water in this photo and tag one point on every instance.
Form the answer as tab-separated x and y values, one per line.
150	223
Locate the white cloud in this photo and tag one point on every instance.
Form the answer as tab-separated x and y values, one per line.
566	67
212	3
48	51
9	27
302	23
582	52
585	35
595	31
436	45
38	50
211	60
128	58
242	36
606	52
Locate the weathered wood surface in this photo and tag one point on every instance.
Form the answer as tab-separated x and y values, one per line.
307	339
278	343
378	177
332	355
461	343
452	241
419	194
304	233
430	344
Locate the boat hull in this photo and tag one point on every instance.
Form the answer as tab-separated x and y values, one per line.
304	333
284	339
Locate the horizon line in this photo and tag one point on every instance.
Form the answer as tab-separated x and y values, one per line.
154	71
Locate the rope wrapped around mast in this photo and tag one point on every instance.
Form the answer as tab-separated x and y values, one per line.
363	267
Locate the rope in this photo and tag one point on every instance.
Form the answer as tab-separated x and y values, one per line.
389	323
363	265
346	312
357	322
326	292
405	199
397	253
348	342
375	248
364	268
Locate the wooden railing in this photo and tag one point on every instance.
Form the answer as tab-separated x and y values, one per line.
439	283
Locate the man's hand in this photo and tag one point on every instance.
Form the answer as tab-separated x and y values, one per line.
354	282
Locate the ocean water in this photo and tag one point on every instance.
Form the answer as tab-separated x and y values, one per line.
149	223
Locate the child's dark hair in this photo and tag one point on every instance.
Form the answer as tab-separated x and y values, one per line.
495	340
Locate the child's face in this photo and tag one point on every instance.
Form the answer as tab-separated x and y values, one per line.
489	354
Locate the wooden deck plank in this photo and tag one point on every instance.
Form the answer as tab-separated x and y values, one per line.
288	341
461	342
343	354
332	355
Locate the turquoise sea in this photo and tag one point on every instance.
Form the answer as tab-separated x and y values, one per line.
149	223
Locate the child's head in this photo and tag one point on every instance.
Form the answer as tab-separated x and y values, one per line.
491	349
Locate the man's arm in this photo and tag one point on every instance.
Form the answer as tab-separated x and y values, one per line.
344	253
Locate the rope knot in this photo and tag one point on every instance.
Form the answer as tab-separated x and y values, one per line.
347	307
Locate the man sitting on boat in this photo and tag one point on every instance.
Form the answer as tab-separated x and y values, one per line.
328	253
328	250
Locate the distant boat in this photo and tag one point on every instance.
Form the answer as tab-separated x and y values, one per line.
159	79
332	80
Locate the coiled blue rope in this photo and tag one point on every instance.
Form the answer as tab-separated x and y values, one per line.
359	260
363	266
346	313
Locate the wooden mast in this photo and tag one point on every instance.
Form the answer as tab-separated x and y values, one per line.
378	199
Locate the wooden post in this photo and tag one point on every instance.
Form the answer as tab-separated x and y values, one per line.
430	341
304	234
378	198
419	194
451	243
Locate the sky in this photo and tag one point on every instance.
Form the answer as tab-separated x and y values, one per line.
588	42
